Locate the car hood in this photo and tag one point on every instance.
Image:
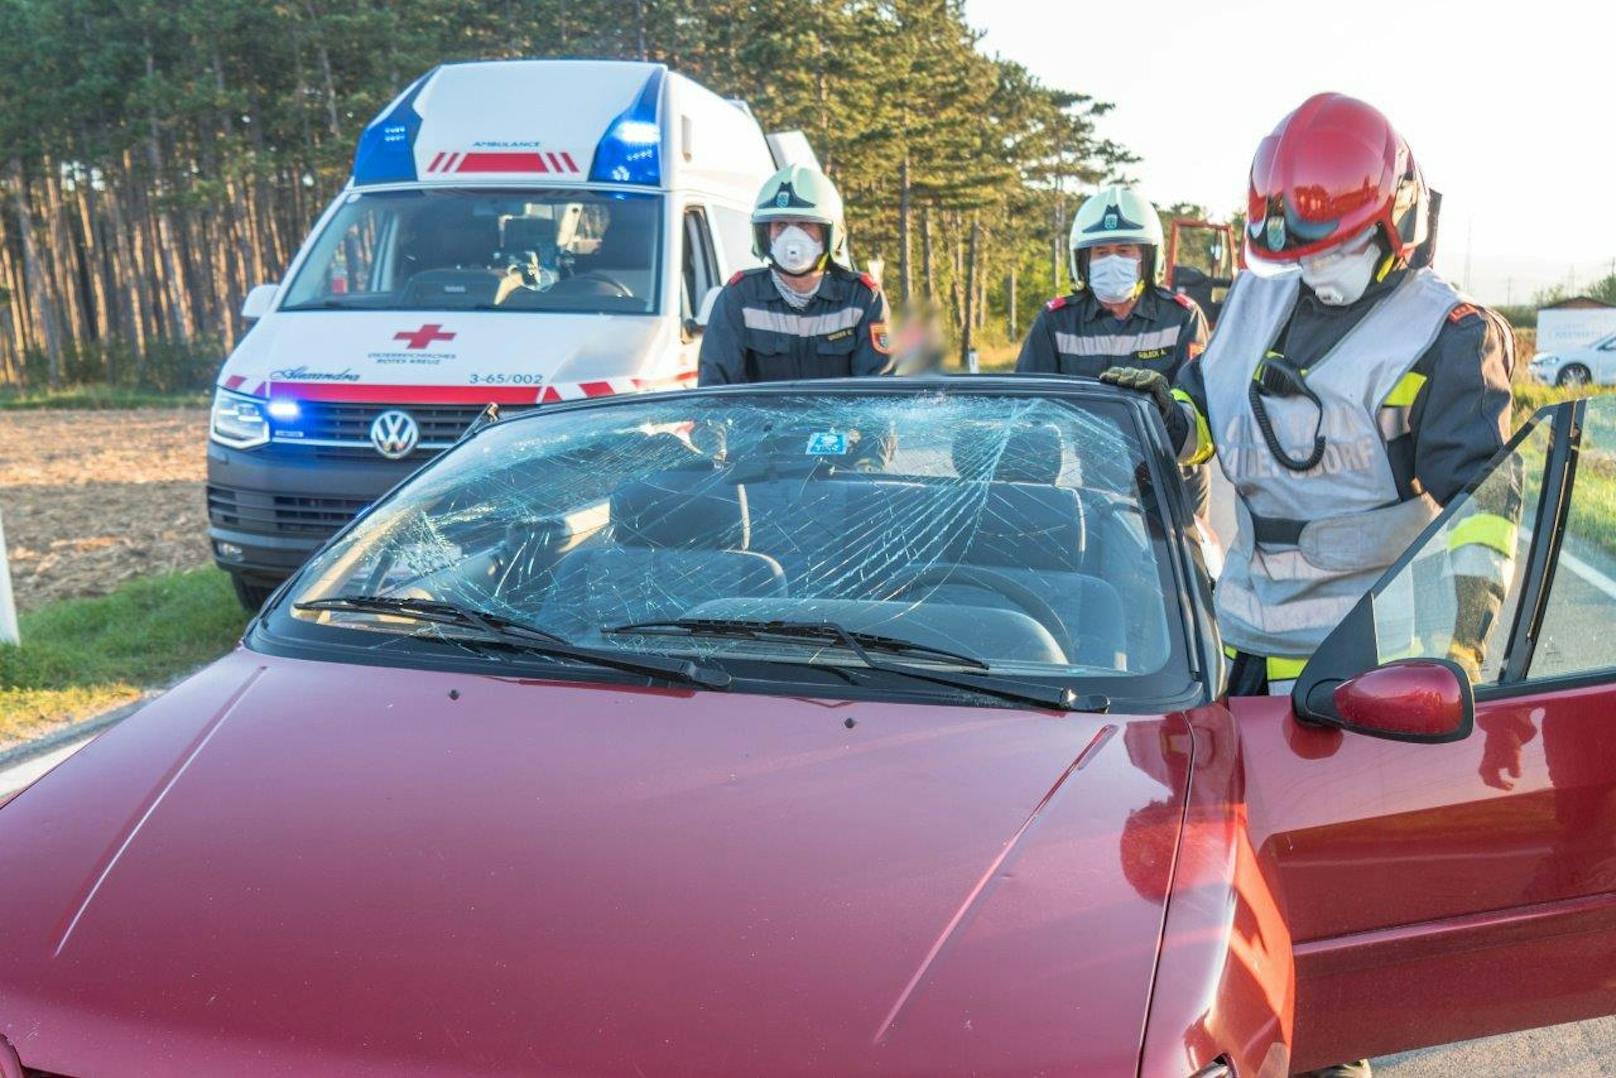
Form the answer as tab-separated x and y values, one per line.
291	866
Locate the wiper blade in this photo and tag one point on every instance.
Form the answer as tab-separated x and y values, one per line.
797	630
528	638
861	644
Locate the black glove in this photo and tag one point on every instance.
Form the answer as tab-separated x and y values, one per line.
1479	602
1154	385
1151	383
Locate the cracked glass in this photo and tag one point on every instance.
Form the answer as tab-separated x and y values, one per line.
1012	532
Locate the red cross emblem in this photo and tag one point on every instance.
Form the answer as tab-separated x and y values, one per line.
424	336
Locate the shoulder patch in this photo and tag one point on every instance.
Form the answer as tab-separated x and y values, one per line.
736	279
1057	303
1463	311
869	282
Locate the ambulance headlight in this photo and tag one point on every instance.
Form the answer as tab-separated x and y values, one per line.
238	420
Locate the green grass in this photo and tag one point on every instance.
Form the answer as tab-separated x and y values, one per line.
82	656
97	397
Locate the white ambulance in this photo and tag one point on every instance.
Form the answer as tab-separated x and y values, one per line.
516	233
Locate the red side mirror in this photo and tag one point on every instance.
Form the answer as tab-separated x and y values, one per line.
1424	700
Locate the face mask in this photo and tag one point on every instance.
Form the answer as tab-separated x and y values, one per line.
1341	276
1114	278
795	251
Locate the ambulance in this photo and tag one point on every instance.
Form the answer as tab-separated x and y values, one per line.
514	233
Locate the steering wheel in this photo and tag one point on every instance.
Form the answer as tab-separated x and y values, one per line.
1031	603
620	290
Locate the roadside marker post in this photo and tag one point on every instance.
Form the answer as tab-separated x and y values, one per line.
8	608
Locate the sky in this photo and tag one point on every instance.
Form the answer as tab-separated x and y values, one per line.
1506	106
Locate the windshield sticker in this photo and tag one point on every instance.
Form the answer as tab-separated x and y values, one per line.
827	443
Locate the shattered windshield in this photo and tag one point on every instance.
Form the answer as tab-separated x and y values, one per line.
1005	534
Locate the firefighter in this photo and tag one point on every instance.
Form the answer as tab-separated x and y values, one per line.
806	313
1118	313
1348	395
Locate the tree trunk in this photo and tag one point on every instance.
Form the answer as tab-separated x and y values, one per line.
971	305
926	266
164	230
905	258
1011	289
34	275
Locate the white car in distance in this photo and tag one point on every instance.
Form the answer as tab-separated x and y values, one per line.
1588	364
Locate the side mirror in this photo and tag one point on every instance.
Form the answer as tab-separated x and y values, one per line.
705	314
259	301
1428	701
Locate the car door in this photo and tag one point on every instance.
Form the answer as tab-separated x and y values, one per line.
1438	892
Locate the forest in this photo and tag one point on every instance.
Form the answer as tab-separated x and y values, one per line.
159	159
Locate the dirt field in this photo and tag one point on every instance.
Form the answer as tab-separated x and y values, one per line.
91	499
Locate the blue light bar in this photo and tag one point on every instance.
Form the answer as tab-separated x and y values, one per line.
631	151
387	147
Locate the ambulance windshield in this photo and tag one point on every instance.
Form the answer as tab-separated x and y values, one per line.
530	250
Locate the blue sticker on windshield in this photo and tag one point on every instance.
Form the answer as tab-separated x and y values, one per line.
827	443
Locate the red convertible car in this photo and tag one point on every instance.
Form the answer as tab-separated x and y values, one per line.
836	728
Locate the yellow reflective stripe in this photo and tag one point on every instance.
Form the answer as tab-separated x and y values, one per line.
1278	667
1484	529
1203	433
1403	393
1282	669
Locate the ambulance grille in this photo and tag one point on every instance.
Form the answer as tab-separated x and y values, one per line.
339	424
283	514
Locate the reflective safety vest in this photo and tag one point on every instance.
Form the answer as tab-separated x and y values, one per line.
1310	544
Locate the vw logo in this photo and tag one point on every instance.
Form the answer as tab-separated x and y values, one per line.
394	434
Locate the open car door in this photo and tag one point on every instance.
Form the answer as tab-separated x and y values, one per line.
1453	874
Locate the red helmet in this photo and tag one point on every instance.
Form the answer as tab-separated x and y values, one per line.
1331	170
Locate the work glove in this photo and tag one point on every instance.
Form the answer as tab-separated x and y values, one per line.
1152	384
1478	603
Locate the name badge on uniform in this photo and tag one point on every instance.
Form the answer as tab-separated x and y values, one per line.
839	335
1151	353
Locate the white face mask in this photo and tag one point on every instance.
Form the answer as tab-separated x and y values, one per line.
1341	276
1114	278
795	251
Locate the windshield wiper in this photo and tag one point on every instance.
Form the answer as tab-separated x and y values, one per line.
527	638
862	643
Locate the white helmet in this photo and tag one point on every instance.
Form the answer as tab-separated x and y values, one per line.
1116	214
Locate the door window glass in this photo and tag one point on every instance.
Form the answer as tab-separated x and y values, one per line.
1456	597
698	268
1577	624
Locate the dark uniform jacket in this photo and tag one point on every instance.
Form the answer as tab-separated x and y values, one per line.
1460	416
1076	334
754	335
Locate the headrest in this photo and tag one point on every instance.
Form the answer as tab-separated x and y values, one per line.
691	509
1030	454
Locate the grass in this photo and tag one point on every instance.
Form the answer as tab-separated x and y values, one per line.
97	397
83	656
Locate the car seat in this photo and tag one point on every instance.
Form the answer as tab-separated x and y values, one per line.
676	539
